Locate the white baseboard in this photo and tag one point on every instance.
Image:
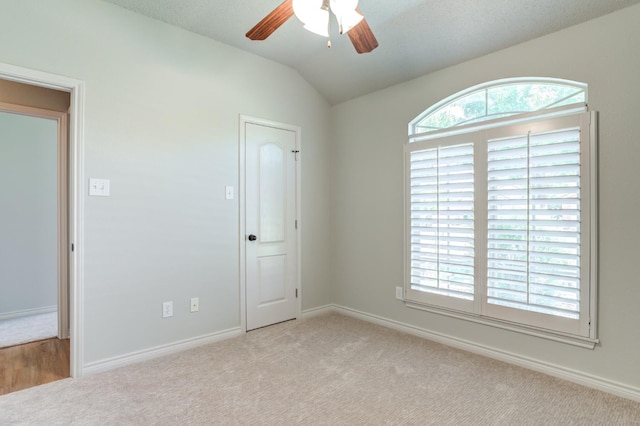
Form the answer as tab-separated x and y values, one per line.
309	313
560	372
28	312
158	351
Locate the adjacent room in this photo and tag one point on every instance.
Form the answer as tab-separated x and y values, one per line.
409	212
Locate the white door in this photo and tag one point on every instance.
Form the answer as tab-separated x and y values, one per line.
270	225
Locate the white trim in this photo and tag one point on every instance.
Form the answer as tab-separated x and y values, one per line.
593	226
76	228
582	342
159	351
495	83
243	120
76	196
500	122
28	312
242	279
299	157
320	310
564	373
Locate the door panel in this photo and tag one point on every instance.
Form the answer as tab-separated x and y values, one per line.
271	258
272	201
272	272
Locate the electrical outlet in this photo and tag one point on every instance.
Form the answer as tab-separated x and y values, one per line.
99	187
399	295
195	304
167	309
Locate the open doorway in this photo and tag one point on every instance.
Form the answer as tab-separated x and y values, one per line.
34	267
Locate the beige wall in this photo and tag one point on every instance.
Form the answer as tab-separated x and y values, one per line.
161	122
28	230
367	232
161	119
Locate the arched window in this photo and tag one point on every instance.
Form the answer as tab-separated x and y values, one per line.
499	99
500	208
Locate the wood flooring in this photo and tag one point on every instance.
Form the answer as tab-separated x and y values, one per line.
33	364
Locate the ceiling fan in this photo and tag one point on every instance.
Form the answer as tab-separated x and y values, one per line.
315	15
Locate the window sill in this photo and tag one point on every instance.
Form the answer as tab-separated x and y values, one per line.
583	342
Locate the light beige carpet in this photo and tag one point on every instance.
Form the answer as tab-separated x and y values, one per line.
326	370
16	331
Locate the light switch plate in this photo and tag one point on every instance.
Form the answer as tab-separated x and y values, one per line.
99	187
399	292
167	309
228	192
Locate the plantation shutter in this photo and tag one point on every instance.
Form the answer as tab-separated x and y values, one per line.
533	196
442	221
500	225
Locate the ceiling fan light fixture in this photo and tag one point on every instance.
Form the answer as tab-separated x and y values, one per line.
346	14
340	7
313	14
318	28
319	24
348	20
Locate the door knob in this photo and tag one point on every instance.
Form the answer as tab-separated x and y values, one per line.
252	237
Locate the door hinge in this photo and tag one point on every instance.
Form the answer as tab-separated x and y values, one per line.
296	293
72	247
296	223
295	153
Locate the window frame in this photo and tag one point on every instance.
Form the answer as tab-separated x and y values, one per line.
585	334
486	87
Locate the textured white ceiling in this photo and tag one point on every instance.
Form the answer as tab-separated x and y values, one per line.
416	36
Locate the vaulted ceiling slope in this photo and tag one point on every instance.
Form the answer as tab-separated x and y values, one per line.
416	36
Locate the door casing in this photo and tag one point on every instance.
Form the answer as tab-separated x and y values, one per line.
75	197
244	119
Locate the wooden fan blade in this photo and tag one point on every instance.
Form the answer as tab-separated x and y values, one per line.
272	21
362	37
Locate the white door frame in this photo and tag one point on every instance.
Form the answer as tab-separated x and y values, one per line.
244	119
75	197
